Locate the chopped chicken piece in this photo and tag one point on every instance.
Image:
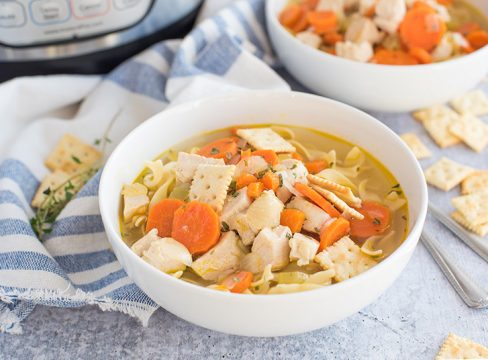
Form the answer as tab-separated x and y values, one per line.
240	224
389	14
291	171
168	255
235	203
265	211
315	217
144	242
309	38
444	49
221	260
253	263
359	52
251	165
336	6
272	246
363	29
135	200
303	249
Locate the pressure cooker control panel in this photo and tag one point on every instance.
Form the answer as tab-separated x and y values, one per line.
31	22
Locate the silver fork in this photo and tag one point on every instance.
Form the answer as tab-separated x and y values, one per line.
471	293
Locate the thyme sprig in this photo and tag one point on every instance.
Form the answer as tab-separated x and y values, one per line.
56	199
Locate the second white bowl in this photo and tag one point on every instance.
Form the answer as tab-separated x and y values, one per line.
372	86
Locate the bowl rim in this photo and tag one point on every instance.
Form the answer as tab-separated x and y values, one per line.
272	20
407	245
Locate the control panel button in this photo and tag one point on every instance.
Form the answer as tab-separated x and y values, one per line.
12	14
125	4
89	8
46	12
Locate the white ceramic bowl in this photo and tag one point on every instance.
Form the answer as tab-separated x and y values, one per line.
371	86
267	315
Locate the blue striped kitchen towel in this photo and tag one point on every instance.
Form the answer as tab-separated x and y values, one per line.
74	265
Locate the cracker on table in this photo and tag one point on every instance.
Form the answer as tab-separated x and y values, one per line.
473	102
51	182
71	154
187	164
345	258
476	182
438	129
266	139
456	347
341	191
473	207
210	184
472	131
433	112
480	230
445	174
339	203
416	145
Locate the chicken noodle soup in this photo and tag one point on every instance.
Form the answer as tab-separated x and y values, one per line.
264	210
389	32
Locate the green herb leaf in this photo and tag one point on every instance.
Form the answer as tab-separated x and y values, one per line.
281	179
76	159
47	191
376	221
233	188
224	227
214	151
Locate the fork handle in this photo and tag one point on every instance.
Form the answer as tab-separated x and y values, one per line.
476	243
471	293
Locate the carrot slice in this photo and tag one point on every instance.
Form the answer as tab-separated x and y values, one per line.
271	181
316	166
421	55
224	148
244	180
330	38
161	216
196	225
422	27
291	15
307	191
376	220
255	189
322	21
268	155
238	282
302	22
393	57
292	218
477	39
339	228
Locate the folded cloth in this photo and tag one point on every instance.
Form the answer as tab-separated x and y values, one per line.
74	266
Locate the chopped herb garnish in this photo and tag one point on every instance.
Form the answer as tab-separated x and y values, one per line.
332	164
397	186
294	166
288	236
47	191
260	174
214	151
233	188
225	227
317	229
76	159
97	142
376	221
281	179
404	217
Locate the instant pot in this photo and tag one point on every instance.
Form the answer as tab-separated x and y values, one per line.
84	36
